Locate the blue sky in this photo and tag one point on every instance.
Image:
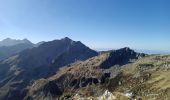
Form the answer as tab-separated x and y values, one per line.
139	24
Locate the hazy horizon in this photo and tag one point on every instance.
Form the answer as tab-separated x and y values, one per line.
138	24
148	51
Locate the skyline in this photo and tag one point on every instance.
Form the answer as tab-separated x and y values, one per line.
141	24
147	51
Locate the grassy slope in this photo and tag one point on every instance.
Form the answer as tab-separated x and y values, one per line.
156	72
148	78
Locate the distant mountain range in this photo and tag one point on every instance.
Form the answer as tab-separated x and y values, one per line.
9	47
12	42
147	51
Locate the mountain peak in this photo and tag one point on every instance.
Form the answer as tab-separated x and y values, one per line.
126	49
26	41
120	57
7	39
67	39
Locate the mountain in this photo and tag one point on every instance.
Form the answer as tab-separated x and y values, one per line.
7	51
68	70
143	78
121	57
12	42
39	43
82	76
9	47
21	70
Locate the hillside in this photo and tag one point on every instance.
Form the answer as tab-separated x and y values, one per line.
145	78
84	77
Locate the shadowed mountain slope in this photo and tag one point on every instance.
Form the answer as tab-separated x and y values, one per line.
7	51
18	71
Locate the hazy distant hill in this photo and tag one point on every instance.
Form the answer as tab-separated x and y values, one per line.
13	42
19	71
7	51
9	47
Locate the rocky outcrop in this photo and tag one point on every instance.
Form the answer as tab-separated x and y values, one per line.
83	82
121	57
107	96
52	88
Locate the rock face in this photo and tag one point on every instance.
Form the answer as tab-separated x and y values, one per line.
19	71
121	57
52	88
105	96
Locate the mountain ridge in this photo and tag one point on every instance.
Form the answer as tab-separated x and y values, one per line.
31	64
10	47
68	69
12	42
